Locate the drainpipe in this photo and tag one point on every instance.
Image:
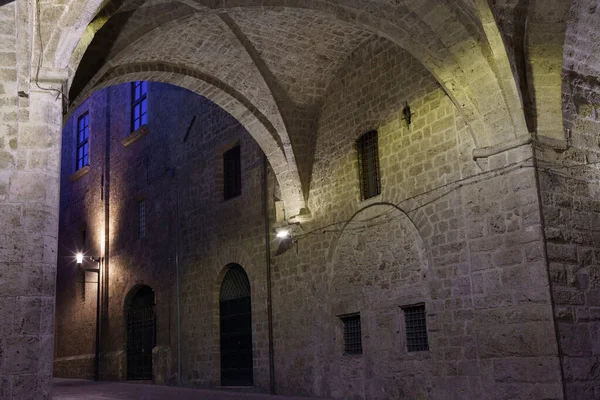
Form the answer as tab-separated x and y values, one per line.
97	351
268	263
177	279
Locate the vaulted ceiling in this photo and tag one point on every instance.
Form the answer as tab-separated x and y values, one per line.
275	59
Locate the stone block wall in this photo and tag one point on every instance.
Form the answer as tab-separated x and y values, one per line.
463	238
569	192
29	163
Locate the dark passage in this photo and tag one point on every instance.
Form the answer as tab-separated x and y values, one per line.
141	334
236	329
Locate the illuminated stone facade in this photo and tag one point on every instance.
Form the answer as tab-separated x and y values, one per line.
488	211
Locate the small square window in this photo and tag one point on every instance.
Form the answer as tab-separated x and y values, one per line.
416	328
232	173
83	148
352	334
368	165
139	105
141	219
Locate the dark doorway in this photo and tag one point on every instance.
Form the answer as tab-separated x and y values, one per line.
236	328
141	334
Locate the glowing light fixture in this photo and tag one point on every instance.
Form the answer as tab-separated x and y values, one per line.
79	258
283	234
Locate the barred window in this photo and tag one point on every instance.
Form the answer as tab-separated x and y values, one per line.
352	334
416	328
368	165
139	106
232	173
83	148
141	219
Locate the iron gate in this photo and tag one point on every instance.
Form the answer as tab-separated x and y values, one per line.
236	329
141	339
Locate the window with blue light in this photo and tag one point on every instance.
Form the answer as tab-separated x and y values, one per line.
139	106
83	147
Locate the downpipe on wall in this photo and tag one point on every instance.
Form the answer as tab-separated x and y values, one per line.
177	289
268	264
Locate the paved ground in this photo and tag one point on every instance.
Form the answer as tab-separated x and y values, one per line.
73	389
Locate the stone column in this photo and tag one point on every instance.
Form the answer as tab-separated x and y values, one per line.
29	197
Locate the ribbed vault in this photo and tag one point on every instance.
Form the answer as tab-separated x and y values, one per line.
281	55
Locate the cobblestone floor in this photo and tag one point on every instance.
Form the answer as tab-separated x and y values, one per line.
73	389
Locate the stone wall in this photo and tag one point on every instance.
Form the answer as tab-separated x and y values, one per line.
569	191
29	162
463	238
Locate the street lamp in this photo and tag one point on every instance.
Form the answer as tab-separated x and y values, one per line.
79	257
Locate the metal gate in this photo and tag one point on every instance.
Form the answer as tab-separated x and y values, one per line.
236	329
141	335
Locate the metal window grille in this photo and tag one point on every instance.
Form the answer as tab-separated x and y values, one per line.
352	335
142	219
83	148
368	165
232	173
416	328
139	106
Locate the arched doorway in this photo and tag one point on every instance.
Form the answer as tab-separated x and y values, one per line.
236	328
141	333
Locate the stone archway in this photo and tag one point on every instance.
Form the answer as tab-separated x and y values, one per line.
257	125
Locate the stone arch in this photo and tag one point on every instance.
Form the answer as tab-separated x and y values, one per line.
391	209
489	103
132	292
229	100
221	275
374	273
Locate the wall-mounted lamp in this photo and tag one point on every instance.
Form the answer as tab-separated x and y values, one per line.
283	234
79	258
407	115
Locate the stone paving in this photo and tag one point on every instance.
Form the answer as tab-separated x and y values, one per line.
75	389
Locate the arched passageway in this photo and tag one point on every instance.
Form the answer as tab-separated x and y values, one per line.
141	332
235	308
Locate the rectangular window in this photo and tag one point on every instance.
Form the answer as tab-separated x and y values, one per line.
141	219
352	335
83	147
139	106
416	328
368	165
84	239
232	173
